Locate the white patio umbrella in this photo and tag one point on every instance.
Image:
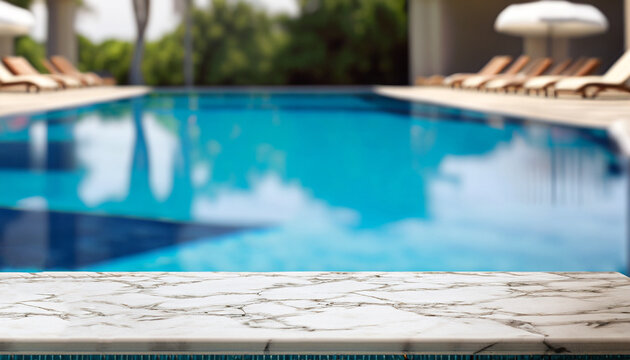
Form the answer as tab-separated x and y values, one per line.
14	20
556	20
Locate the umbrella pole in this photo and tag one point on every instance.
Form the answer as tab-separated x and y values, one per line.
549	50
560	49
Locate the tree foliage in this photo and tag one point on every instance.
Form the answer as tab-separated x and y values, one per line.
111	57
347	42
21	3
163	62
236	43
33	51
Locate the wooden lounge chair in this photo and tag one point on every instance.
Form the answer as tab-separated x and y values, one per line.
434	80
53	70
477	81
615	78
581	67
516	82
493	67
37	81
20	66
63	66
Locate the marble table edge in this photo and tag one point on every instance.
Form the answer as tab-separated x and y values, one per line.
539	345
82	273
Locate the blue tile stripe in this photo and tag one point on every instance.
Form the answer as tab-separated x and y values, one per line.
314	357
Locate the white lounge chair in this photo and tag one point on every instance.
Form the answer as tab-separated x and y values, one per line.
615	78
515	82
543	83
36	81
477	81
65	67
21	67
493	67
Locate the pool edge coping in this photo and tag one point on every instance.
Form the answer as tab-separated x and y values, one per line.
617	126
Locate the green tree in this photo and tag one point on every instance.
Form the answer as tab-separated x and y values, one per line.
163	63
346	42
112	57
30	49
235	44
26	4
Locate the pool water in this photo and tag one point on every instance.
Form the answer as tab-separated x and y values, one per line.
255	181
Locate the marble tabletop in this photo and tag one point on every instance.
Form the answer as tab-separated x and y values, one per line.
315	313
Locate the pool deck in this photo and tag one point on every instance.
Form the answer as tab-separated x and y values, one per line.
19	102
314	313
567	110
611	112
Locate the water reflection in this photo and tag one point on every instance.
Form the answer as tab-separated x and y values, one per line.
105	149
460	235
346	182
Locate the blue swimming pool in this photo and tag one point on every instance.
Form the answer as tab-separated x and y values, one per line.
257	181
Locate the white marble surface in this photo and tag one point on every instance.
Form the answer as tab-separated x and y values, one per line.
315	313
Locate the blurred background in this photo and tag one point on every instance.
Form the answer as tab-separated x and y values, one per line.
265	42
287	42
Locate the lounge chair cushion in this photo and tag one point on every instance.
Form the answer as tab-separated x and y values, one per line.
69	81
477	80
617	75
451	79
505	81
541	82
576	83
67	68
20	66
620	71
41	81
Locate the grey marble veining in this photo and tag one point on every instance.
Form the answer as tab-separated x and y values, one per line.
315	313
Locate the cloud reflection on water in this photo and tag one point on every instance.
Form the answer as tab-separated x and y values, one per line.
504	235
336	191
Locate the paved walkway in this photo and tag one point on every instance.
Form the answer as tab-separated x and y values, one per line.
15	102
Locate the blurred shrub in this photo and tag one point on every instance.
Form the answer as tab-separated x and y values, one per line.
235	44
346	42
112	57
163	60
